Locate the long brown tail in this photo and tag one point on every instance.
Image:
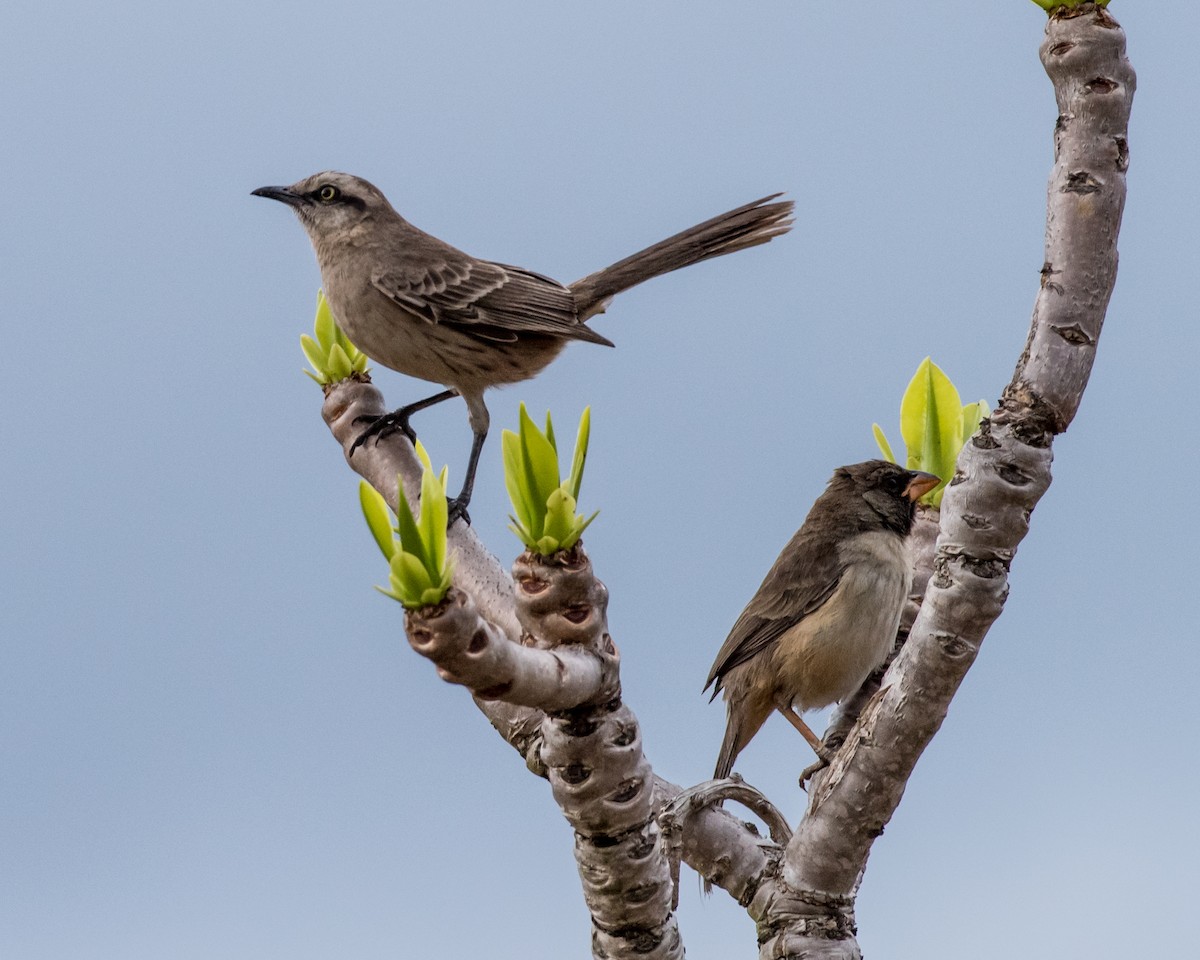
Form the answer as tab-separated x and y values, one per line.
747	226
730	748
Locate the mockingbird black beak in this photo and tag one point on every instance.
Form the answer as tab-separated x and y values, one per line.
282	194
920	484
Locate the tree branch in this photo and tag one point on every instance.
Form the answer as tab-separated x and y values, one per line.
1001	474
544	644
506	644
713	840
470	651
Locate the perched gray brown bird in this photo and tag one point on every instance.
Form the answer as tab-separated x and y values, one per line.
827	612
422	307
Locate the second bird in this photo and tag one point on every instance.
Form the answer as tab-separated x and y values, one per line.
420	306
826	615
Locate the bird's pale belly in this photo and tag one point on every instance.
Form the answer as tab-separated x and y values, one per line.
828	655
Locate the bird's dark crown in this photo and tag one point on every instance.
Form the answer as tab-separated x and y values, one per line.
883	488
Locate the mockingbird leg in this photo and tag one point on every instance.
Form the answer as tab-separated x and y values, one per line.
380	427
456	508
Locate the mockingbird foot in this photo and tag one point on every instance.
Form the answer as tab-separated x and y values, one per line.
456	509
380	427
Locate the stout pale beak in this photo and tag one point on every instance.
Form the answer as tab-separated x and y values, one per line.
282	194
920	484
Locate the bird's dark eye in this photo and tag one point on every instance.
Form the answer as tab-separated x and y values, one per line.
328	193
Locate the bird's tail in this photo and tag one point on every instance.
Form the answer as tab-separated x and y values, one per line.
747	226
731	746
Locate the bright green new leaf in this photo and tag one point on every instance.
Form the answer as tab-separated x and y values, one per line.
525	536
577	527
379	518
560	516
535	515
332	355
934	424
575	478
518	492
544	504
407	527
410	579
423	456
313	352
420	571
931	421
433	519
390	593
884	447
973	413
325	326
539	468
339	363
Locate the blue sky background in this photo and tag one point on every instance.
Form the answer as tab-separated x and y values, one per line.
214	739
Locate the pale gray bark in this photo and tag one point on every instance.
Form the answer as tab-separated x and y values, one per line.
1001	474
677	817
560	706
490	634
470	651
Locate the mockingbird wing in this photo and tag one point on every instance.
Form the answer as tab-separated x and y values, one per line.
486	300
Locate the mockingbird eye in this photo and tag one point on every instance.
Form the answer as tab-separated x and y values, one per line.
328	193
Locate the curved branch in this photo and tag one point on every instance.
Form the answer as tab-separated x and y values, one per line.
677	817
711	792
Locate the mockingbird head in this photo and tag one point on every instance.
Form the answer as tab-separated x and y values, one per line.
330	205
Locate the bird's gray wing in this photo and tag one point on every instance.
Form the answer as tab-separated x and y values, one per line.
485	300
804	576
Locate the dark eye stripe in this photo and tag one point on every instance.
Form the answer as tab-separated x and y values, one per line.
357	202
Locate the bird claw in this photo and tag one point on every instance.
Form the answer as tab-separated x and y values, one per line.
382	426
809	771
824	756
456	510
